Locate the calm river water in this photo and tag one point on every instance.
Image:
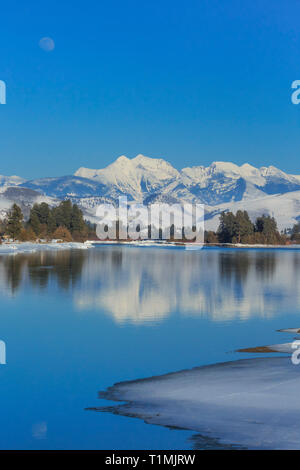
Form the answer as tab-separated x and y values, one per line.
76	322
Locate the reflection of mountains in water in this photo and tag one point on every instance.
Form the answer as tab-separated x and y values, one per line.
141	285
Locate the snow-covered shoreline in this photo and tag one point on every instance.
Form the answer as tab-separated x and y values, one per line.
189	245
31	247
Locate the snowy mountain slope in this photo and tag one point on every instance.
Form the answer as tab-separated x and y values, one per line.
220	186
89	205
136	178
284	207
145	179
65	186
7	181
276	181
149	180
225	181
24	197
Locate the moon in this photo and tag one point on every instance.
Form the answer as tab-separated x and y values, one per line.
47	44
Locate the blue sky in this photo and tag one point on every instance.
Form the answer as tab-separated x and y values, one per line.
191	82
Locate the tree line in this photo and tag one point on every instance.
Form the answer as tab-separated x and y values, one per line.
64	222
238	228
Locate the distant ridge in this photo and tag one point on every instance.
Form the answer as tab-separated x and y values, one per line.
220	186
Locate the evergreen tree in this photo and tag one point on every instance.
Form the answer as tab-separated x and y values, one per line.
267	226
51	222
210	237
44	221
63	214
2	227
226	230
77	221
14	222
295	233
34	222
39	216
43	213
243	227
239	229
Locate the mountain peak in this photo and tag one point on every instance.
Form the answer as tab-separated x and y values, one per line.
141	158
149	180
224	165
122	159
85	172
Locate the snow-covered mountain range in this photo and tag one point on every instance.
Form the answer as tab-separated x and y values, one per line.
220	186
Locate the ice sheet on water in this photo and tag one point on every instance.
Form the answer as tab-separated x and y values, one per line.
251	402
288	348
27	247
290	330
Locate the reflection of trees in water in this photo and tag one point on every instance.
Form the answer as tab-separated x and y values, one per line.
67	269
236	265
265	264
14	268
116	258
296	265
235	268
145	284
40	268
